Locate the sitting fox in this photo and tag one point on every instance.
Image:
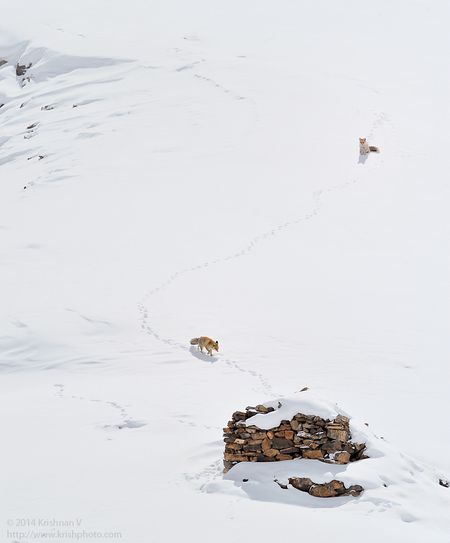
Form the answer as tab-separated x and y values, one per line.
206	342
365	148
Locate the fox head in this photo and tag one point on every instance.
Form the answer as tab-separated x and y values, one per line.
216	346
362	140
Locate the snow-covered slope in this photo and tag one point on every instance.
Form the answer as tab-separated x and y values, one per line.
175	169
392	481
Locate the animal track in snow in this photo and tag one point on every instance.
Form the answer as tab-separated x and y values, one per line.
206	475
59	390
189	66
219	86
127	420
380	119
185	419
247	249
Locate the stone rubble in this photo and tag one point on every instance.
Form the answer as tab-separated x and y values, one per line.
305	436
324	490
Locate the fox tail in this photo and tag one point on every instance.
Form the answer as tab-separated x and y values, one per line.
194	341
374	149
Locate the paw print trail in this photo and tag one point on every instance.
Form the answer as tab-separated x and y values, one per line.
147	324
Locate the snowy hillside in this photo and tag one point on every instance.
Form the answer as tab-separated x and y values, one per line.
177	169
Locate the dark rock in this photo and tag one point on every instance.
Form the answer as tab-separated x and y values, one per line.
254	441
230	457
264	458
301	483
359	454
338	486
21	69
342	457
281	485
312	454
294	425
259	435
239	415
231	447
327	490
281	457
227	465
290	450
337	432
254	448
281	443
2	62
444	483
354	490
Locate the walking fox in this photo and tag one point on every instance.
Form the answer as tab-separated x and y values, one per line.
206	342
365	148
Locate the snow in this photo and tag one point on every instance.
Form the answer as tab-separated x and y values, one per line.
285	409
391	480
200	176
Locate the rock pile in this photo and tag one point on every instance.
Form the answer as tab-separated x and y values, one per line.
305	436
325	490
21	69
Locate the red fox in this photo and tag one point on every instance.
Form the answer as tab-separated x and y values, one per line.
365	148
206	342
